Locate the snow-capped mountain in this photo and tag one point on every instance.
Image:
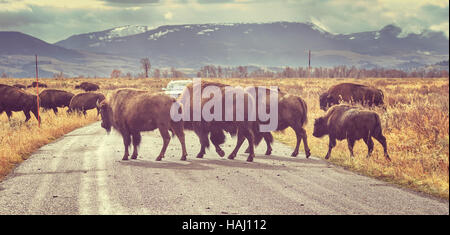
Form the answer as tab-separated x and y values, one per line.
95	39
268	44
192	46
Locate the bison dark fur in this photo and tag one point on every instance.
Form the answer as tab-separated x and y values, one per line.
52	99
87	86
15	99
351	93
351	123
132	111
85	101
37	84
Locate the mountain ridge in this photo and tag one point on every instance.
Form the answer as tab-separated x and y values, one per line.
191	46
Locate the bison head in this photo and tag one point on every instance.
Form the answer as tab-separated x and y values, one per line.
324	101
320	127
106	114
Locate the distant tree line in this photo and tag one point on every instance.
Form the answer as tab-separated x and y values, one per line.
157	73
212	71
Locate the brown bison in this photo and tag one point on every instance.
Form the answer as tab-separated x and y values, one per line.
351	93
52	99
85	101
351	123
37	84
15	99
87	86
243	128
20	86
132	111
292	112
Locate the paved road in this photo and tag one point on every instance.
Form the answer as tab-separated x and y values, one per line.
82	173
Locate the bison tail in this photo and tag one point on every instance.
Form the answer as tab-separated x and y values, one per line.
377	129
217	137
304	114
173	132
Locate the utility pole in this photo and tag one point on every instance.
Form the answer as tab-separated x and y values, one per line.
309	63
37	92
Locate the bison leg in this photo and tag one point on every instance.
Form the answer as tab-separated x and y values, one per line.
240	140
178	129
369	143
166	139
204	142
380	138
305	143
136	141
55	110
126	143
350	143
9	114
299	140
35	113
269	139
250	137
27	115
331	145
242	135
301	135
217	137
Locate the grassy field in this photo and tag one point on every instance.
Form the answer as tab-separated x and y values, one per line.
415	123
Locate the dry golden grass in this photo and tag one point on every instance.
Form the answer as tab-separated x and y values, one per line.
416	125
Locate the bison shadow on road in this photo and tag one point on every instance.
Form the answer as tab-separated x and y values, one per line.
207	164
39	172
185	165
299	159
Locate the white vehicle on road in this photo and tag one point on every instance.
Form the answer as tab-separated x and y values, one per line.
175	88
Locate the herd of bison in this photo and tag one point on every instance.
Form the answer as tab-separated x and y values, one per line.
132	111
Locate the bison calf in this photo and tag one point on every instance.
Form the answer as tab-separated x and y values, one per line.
132	111
351	123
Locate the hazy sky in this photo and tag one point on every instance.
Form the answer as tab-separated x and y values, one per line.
54	20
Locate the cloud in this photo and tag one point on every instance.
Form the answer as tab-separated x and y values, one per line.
53	20
168	15
214	1
129	2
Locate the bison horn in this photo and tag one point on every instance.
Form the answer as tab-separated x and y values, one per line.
98	104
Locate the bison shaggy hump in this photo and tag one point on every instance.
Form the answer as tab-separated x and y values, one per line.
52	99
351	123
132	111
351	93
85	101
